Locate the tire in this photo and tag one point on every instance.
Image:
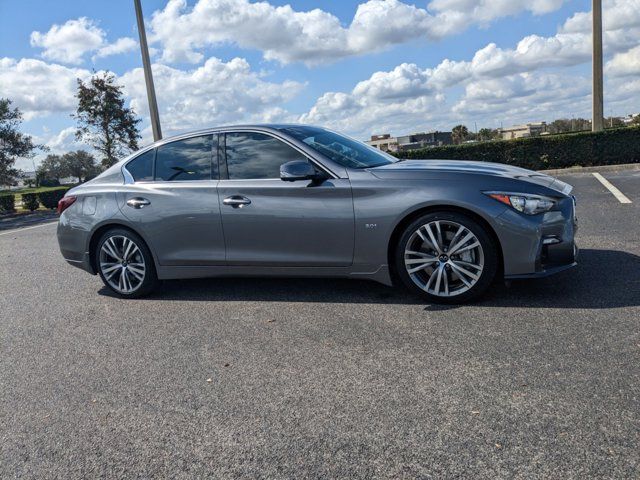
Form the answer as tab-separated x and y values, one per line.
422	255
130	276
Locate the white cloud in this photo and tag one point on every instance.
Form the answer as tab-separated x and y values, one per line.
215	93
69	42
316	36
39	88
625	64
122	45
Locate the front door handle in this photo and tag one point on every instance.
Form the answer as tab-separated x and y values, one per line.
236	201
138	202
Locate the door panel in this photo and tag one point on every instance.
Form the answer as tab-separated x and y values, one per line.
288	223
174	201
182	221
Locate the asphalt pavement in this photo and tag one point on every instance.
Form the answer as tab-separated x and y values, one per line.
260	378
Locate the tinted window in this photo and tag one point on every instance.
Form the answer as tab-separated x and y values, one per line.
141	167
339	148
256	156
188	159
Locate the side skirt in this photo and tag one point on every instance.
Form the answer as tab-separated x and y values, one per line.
378	273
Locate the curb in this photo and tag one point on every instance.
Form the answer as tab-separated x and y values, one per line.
601	168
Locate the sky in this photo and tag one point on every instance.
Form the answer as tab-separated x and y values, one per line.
359	66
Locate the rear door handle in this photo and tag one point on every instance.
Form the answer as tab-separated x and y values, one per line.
138	202
236	201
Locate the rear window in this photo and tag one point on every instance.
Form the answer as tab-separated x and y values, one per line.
141	167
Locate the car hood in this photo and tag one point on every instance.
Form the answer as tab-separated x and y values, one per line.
410	168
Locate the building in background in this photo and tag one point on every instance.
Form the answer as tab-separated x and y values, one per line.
523	131
414	141
384	142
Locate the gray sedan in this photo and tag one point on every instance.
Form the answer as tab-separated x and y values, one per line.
302	201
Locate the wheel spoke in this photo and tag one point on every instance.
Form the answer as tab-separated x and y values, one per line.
468	247
439	236
419	267
413	261
430	281
455	238
111	250
121	281
454	248
137	268
127	278
127	247
461	277
419	254
445	278
468	264
108	269
464	271
434	242
438	279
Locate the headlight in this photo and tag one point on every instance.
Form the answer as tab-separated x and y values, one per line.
524	202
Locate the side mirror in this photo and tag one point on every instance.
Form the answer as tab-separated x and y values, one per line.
298	170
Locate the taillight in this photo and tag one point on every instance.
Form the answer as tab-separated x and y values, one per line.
64	203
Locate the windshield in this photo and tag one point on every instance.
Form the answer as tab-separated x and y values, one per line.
342	150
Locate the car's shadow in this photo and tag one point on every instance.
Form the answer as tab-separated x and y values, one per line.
602	279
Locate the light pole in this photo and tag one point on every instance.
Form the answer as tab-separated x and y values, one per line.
148	76
597	123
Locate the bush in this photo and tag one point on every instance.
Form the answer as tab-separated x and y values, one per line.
30	201
585	149
50	198
7	203
49	182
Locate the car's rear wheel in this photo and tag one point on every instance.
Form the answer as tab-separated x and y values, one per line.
446	257
125	264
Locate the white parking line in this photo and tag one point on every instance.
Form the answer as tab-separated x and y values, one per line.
16	230
616	193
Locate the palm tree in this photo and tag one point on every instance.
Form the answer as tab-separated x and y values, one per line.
459	134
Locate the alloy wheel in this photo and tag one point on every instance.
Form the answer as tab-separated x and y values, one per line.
444	258
122	264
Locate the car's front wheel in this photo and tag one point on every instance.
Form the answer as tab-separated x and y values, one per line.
125	264
446	257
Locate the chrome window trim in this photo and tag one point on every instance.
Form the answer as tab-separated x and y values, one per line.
334	170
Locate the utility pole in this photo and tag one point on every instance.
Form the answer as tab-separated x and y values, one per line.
148	76
597	123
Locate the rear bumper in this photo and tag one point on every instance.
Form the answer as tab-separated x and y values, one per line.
73	243
84	263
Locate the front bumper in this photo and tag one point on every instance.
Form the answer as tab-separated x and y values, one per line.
539	245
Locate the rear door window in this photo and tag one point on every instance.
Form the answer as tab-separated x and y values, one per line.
188	159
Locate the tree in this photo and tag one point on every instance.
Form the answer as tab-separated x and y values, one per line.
636	120
486	134
565	125
459	134
613	122
79	164
13	144
50	171
103	120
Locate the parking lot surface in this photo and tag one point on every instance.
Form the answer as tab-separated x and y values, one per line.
326	378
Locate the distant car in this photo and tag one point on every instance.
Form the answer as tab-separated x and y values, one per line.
302	201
